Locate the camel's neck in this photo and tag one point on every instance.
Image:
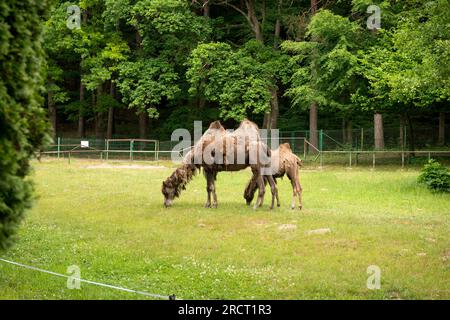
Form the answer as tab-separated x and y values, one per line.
181	177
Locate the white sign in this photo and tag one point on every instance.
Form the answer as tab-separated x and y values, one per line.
85	144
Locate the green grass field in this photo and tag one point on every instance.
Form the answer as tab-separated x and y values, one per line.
111	223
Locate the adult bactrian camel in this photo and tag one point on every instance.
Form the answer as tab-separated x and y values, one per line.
218	150
289	164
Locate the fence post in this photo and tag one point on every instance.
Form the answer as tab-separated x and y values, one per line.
350	159
131	150
107	149
157	150
304	148
59	145
373	161
403	159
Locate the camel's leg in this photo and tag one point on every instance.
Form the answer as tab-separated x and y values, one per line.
294	192
299	191
209	187
261	190
213	190
276	189
296	188
273	189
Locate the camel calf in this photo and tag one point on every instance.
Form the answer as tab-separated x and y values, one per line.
289	164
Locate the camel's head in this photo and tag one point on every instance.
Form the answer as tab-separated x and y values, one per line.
169	192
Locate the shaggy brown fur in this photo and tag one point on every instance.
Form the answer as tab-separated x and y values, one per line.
172	186
226	152
289	164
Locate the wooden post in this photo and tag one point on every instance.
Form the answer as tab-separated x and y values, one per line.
373	161
131	150
107	149
59	146
403	159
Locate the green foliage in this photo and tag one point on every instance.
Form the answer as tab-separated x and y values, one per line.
240	81
145	83
408	66
23	128
325	68
166	54
435	176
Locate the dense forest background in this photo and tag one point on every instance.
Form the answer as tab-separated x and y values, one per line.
142	68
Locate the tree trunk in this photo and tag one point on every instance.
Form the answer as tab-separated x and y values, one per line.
253	20
266	121
81	122
401	138
98	116
378	131
313	6
143	119
344	135
52	111
313	135
411	138
441	128
206	9
110	127
349	132
275	109
276	40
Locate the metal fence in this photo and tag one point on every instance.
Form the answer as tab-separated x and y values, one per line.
334	147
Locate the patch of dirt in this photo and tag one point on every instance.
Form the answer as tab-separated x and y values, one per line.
319	231
131	166
287	227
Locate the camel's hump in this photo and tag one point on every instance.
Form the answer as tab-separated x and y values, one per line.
216	125
248	124
285	146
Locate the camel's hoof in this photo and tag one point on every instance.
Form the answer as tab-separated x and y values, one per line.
207	205
300	207
215	206
278	205
292	207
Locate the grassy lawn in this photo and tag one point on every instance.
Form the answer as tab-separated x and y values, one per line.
111	223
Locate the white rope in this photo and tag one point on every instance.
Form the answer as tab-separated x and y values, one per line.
158	296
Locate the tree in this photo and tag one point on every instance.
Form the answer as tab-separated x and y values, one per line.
152	75
240	81
325	69
407	67
23	125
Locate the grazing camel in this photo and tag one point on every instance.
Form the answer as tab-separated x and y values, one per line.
289	164
218	150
